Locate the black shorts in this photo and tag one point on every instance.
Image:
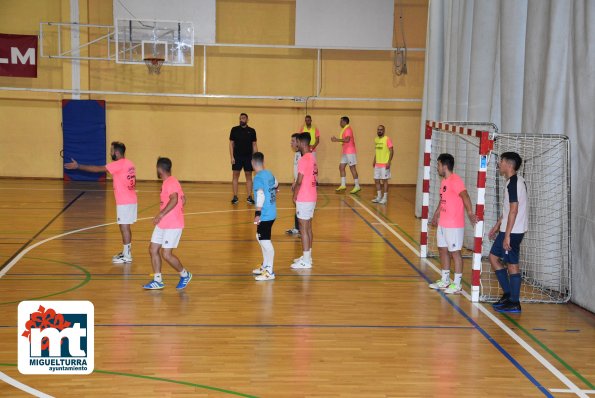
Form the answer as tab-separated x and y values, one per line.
263	230
242	163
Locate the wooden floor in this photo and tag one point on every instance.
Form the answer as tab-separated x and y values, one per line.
361	323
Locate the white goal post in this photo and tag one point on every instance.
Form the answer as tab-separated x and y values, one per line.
545	251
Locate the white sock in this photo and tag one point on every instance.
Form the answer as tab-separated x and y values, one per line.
263	251
356	182
458	278
269	254
446	275
158	278
307	256
184	273
385	196
378	194
127	251
343	181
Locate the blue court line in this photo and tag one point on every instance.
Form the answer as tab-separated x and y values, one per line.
271	326
459	309
244	274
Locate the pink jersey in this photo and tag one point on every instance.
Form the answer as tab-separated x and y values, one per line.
309	169
175	218
348	147
452	209
124	180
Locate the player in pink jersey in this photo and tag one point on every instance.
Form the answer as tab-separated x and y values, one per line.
449	217
304	197
169	224
348	156
124	181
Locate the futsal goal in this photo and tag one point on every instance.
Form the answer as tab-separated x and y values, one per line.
545	260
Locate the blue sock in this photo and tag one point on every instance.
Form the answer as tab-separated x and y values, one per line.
502	275
515	287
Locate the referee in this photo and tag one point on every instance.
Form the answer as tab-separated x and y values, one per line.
242	144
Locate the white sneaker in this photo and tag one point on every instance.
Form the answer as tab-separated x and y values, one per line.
382	201
301	265
376	200
265	276
301	258
121	259
453	289
439	285
258	271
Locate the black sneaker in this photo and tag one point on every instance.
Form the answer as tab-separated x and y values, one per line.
235	200
510	307
250	200
503	300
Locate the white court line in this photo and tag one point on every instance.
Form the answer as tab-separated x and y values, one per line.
559	375
564	391
23	387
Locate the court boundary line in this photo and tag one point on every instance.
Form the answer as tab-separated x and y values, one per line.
23	387
540	358
481	330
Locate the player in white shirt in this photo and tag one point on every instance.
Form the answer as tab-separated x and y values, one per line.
508	234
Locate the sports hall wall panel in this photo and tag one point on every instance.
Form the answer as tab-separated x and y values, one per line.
194	132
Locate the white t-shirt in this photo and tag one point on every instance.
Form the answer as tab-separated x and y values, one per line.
516	192
296	159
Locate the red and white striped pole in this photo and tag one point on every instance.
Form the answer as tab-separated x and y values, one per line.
425	211
485	147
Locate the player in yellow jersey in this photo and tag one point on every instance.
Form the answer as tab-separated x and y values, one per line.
382	160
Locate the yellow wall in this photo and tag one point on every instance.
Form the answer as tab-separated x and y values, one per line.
194	132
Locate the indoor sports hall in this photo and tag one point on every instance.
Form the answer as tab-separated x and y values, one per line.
297	198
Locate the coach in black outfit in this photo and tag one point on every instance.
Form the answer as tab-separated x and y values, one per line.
242	144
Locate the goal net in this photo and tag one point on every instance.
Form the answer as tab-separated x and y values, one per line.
545	260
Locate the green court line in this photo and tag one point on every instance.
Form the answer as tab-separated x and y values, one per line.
549	351
83	282
184	383
512	320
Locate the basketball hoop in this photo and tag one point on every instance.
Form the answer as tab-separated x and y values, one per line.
154	65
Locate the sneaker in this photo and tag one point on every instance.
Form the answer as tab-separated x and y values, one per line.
250	200
235	200
292	231
301	265
439	285
510	307
453	289
121	259
503	300
265	276
376	200
341	188
184	280
258	271
382	201
154	285
355	190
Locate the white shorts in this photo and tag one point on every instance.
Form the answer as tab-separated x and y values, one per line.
167	238
349	158
452	238
126	214
381	173
305	210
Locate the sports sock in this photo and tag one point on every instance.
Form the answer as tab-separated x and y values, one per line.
262	249
502	275
356	182
515	287
158	278
458	278
127	250
184	273
343	181
385	196
269	254
378	194
307	256
445	275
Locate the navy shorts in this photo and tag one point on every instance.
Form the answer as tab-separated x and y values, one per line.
242	163
511	256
